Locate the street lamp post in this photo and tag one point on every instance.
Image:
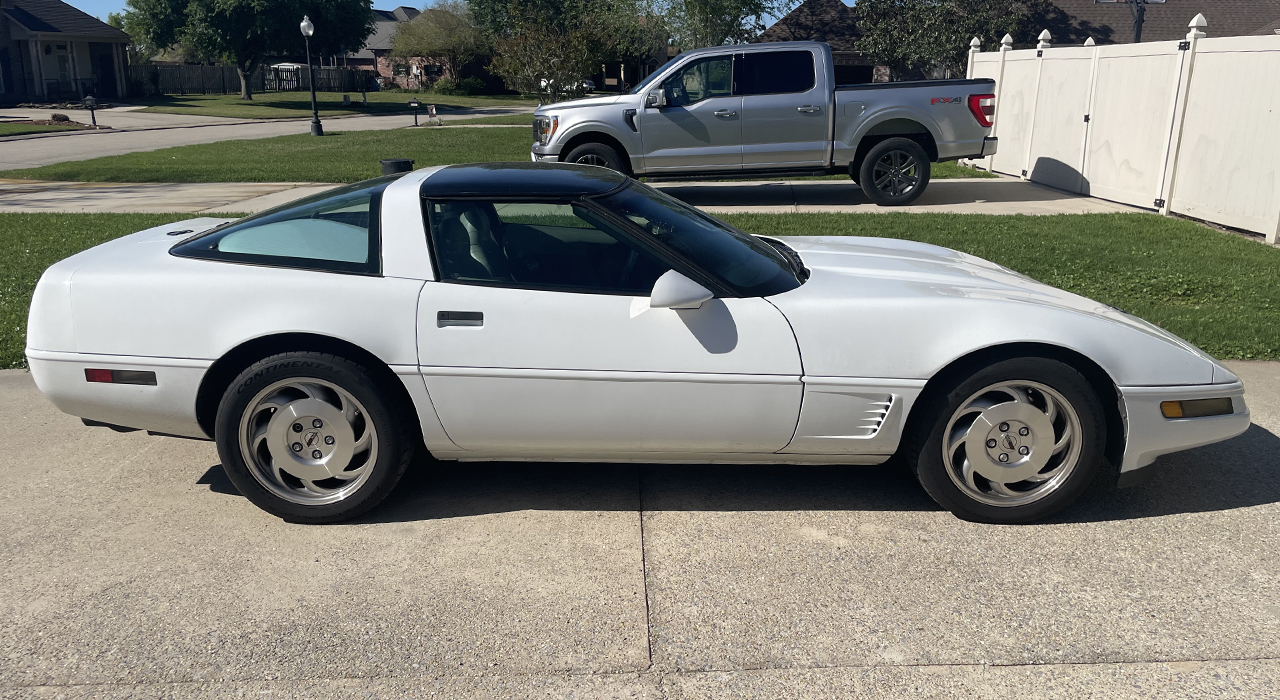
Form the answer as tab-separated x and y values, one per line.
1138	9
307	30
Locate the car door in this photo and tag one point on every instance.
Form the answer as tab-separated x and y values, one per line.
537	341
700	128
785	120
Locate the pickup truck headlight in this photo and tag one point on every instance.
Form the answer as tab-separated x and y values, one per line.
544	128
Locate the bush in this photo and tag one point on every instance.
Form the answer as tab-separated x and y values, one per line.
466	86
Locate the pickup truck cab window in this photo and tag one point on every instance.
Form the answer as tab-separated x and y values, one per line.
699	80
774	72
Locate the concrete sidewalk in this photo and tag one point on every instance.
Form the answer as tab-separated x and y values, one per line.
968	196
149	132
133	569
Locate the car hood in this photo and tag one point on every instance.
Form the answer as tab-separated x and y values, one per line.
854	268
583	102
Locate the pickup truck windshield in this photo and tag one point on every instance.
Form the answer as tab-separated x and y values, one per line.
644	83
749	265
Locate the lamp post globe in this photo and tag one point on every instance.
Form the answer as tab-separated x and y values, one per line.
308	29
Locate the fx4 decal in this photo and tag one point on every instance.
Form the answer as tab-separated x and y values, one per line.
946	100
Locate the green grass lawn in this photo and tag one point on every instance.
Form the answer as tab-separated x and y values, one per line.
1217	290
20	129
284	105
522	119
336	157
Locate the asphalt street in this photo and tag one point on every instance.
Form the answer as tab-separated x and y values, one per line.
130	568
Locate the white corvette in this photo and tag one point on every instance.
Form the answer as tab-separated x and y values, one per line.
523	311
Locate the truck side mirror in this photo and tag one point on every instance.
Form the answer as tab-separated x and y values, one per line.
657	98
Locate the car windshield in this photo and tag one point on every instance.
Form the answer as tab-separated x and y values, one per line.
748	264
644	83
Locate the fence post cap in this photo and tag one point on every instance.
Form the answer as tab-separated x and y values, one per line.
1090	42
1197	25
1006	43
975	44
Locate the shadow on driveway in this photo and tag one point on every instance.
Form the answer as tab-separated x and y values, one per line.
1239	473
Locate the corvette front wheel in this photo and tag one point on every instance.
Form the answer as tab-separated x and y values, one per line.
312	438
1013	443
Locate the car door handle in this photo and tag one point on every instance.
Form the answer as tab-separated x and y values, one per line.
724	112
808	108
459	318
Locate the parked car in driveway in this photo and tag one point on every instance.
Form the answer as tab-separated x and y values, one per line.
533	311
764	110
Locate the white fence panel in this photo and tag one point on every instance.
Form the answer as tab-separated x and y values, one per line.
986	65
1015	111
1228	170
1058	140
1132	113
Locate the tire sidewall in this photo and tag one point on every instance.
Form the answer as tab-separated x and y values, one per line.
611	156
387	469
926	452
867	180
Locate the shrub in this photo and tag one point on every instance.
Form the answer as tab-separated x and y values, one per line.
466	86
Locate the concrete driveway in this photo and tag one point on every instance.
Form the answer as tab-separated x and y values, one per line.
966	196
131	569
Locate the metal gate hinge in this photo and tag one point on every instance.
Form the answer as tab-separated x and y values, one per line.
1184	45
1040	54
1024	173
1086	118
1159	204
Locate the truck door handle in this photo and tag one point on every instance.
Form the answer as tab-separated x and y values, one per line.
459	318
724	112
808	108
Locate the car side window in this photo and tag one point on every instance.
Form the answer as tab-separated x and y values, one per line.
538	245
334	231
699	80
775	72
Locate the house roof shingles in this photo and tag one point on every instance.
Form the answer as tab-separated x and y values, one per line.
817	20
55	16
1111	23
386	22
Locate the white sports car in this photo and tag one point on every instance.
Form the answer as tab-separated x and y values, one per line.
529	311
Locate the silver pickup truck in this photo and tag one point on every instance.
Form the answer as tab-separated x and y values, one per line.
765	110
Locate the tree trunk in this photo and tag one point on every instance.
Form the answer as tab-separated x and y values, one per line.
245	76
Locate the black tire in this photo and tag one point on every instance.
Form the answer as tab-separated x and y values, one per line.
925	453
903	175
385	419
597	154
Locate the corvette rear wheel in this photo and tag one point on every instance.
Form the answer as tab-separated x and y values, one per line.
1014	442
312	437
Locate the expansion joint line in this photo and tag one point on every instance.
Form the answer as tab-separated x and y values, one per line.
644	566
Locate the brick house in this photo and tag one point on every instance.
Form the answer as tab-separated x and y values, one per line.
1075	21
375	57
830	21
49	50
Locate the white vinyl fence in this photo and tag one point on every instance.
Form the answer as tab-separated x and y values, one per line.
1191	127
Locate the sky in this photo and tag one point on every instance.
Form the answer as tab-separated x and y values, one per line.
101	8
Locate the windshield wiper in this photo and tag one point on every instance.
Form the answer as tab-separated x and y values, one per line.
793	258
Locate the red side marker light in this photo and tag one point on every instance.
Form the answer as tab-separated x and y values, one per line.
98	375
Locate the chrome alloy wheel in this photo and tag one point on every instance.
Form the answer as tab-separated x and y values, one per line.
1012	443
592	159
308	441
896	173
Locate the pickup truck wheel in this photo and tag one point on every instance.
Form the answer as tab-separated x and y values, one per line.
597	154
895	172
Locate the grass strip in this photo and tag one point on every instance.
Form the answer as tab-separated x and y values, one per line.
1217	290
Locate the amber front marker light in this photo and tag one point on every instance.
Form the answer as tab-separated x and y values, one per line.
1199	408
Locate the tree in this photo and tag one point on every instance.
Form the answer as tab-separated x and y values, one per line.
916	35
537	56
698	23
444	31
246	32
